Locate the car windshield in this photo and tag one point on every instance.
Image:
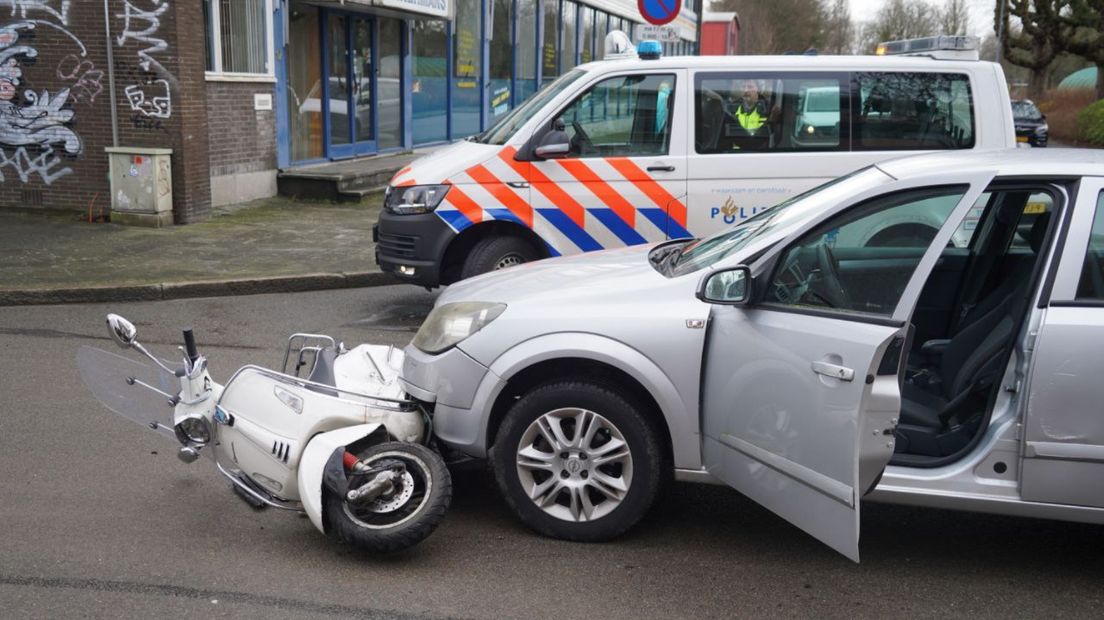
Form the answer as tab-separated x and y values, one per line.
707	251
504	129
1025	110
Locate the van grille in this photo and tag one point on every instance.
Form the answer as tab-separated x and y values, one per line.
399	246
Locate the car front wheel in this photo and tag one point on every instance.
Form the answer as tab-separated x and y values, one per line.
577	461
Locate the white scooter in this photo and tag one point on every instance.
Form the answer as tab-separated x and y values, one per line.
341	444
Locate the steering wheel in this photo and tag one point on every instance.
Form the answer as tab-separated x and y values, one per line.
585	144
829	283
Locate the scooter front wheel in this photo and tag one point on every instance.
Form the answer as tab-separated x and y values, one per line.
406	514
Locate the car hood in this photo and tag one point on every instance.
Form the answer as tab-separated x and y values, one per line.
608	273
443	163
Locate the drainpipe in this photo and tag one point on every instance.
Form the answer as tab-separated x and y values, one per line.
111	75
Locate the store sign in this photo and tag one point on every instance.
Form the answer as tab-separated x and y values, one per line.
659	12
667	34
436	8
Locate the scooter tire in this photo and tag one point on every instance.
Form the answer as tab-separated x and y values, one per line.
435	483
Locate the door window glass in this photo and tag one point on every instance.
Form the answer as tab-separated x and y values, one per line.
622	116
1091	285
429	92
389	83
466	68
900	111
742	113
832	267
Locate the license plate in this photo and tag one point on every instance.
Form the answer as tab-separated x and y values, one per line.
1021	138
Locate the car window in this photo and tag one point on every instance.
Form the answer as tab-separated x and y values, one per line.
505	128
624	116
1039	205
900	111
1025	110
755	112
1091	285
833	267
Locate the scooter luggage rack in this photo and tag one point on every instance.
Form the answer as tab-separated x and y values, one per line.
383	402
313	343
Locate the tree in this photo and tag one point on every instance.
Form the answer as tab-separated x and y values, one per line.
1084	35
778	26
898	19
1034	33
954	18
839	32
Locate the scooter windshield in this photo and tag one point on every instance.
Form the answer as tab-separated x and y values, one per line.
135	390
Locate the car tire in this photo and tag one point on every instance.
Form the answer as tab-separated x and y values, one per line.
497	252
619	469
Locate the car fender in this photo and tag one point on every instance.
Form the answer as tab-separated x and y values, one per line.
312	464
678	409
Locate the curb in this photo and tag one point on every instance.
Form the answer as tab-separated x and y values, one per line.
185	290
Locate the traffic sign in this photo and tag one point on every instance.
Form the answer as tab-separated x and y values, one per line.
659	12
666	34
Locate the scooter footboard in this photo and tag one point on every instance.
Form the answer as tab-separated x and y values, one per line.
312	465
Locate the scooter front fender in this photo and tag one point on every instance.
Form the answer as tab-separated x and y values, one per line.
312	465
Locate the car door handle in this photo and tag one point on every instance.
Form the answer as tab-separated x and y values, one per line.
831	370
661	168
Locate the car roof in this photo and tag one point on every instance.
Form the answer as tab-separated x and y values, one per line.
791	61
1057	162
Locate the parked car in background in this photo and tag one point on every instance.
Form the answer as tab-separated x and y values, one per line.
791	360
1031	124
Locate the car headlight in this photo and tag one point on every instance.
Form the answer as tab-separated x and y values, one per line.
414	199
1041	129
450	324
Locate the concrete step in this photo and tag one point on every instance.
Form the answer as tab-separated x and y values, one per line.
347	180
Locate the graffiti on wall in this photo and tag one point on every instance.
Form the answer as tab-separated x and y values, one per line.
150	95
35	127
86	79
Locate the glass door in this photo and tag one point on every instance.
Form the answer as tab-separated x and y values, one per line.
350	85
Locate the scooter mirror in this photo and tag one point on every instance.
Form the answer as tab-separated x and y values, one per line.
122	331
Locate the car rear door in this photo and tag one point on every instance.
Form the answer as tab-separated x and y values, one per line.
1063	457
801	388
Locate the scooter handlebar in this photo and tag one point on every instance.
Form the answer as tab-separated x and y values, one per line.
190	345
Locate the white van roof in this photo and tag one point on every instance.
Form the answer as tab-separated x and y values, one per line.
795	62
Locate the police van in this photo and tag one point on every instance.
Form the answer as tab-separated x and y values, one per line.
639	148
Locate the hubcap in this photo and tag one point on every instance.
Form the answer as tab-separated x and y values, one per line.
574	464
509	261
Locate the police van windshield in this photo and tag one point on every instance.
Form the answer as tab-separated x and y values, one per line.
504	129
708	251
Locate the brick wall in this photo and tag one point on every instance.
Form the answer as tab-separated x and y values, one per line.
55	107
242	139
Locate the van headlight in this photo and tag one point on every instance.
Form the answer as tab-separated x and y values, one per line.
414	199
450	324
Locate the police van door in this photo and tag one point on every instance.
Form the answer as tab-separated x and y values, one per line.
622	178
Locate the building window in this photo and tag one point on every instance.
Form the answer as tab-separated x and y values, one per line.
586	28
467	69
570	38
601	28
526	82
430	85
502	59
549	67
239	37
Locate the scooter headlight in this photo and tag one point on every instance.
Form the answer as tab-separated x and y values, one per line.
414	199
450	324
193	429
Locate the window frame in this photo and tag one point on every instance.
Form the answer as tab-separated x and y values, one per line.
843	77
213	26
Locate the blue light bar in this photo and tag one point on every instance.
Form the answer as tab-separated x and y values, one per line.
649	50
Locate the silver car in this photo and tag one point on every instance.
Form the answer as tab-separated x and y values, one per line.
792	361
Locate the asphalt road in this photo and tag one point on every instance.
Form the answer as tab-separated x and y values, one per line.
99	519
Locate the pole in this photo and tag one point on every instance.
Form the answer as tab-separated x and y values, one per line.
111	75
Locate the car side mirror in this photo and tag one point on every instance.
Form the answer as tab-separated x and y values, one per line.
559	150
731	287
1042	116
122	331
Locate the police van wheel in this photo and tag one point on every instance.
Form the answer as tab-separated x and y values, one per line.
493	253
576	460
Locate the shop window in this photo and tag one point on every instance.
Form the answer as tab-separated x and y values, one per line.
601	27
527	45
550	68
624	116
467	69
239	36
429	88
304	83
586	27
389	95
570	37
502	60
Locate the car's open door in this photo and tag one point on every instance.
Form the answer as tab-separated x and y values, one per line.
801	388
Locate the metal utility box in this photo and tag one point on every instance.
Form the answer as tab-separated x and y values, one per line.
141	186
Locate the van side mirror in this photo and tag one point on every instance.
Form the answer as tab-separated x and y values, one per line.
731	287
553	151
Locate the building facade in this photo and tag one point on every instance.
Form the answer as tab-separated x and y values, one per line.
239	89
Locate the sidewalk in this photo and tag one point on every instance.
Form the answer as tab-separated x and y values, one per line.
270	245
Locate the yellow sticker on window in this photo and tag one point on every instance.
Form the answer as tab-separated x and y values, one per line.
1035	208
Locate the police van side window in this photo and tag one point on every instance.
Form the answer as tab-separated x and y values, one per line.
769	112
903	111
624	116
